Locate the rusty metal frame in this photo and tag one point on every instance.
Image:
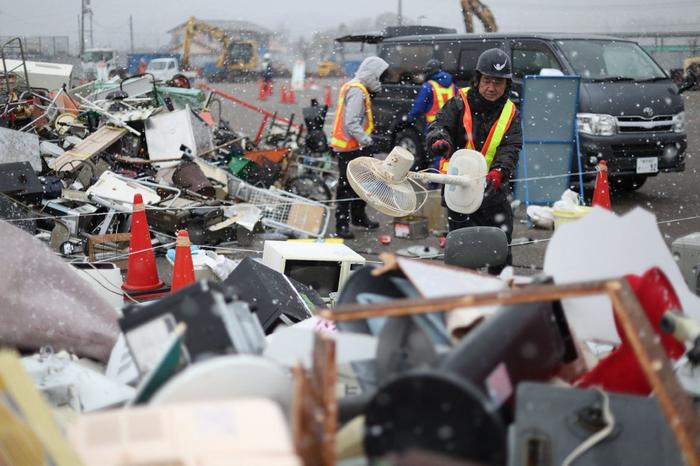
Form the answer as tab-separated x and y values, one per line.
675	403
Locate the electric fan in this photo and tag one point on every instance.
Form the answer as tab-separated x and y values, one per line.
389	186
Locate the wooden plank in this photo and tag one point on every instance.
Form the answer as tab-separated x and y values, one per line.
306	217
315	406
532	294
87	148
678	408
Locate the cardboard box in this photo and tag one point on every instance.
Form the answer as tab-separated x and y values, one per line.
411	227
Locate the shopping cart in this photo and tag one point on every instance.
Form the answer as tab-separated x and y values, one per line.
283	210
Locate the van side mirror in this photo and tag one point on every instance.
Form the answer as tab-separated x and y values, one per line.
691	79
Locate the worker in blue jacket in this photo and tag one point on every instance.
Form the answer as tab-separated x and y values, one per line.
437	89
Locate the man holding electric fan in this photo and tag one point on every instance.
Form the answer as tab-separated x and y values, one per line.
481	117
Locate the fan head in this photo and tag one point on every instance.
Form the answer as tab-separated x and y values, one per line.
383	184
466	198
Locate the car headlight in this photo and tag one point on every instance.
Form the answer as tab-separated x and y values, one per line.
596	124
679	122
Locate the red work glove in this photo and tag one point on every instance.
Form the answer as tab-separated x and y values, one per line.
493	181
441	148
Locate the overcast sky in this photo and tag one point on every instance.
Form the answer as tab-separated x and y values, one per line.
152	18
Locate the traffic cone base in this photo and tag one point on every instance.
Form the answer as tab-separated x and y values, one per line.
142	272
183	269
601	194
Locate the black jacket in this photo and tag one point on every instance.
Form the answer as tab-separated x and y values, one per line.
448	125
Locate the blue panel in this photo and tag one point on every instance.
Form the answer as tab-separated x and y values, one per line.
550	149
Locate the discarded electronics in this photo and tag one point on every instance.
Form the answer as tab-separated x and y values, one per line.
19	181
206	222
552	423
322	266
460	408
275	298
167	132
216	324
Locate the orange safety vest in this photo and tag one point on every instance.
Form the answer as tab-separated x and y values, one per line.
340	140
498	130
440	97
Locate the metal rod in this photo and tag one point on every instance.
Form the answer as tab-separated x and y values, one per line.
532	294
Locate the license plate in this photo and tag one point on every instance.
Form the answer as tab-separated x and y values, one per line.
647	165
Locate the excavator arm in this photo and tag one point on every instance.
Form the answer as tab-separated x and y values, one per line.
483	12
192	27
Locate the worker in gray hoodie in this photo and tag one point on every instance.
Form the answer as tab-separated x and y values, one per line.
352	138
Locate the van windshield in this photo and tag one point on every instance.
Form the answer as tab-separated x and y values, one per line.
157	65
609	60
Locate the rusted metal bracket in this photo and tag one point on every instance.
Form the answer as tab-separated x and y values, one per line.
677	407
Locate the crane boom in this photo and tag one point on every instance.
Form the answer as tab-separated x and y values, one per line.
483	12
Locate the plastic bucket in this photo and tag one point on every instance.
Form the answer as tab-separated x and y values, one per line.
567	215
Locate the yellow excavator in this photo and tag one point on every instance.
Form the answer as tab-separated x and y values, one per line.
236	58
471	8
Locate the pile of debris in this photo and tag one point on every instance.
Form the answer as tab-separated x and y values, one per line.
308	356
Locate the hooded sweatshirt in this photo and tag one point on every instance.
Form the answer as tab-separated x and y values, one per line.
424	99
354	107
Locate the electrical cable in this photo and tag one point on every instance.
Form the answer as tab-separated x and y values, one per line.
596	438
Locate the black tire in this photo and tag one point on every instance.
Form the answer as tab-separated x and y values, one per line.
309	186
410	139
627	184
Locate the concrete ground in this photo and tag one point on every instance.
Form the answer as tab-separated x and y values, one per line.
674	198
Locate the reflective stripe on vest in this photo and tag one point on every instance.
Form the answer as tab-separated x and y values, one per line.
341	141
498	130
440	97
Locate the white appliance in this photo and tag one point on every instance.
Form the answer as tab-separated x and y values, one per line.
323	266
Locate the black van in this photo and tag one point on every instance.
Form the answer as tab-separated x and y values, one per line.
630	111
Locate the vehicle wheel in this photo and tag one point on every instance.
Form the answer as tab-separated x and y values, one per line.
627	183
310	187
412	142
181	81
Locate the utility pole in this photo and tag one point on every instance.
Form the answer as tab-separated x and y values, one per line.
400	19
92	43
81	25
81	49
131	32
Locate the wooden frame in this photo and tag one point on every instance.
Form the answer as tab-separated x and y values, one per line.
314	410
675	403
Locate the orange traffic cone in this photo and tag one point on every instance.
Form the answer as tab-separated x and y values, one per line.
327	96
283	94
262	91
183	270
601	195
142	273
291	96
